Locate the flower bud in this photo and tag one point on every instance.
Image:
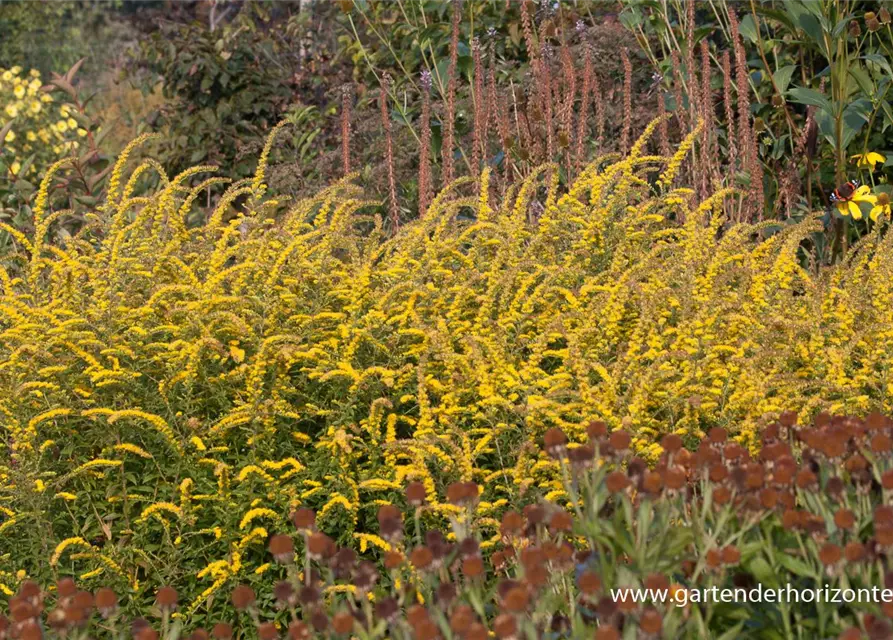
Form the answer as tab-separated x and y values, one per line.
884	15
855	29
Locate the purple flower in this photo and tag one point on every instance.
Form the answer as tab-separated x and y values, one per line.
427	80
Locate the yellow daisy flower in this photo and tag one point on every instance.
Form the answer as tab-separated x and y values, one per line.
19	92
871	158
11	110
10	136
15	167
850	206
881	208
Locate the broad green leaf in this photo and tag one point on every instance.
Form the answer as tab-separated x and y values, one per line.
795	565
863	80
748	28
855	116
759	568
783	77
802	95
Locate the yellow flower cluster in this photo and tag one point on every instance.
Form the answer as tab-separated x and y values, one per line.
40	128
292	354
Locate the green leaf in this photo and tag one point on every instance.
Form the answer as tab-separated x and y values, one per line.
759	568
774	14
795	565
863	80
855	116
806	21
783	77
802	95
748	28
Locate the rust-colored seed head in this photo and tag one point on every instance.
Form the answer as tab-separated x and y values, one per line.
267	631
730	555
516	600
589	582
561	521
512	523
304	519
620	440
616	481
854	552
66	588
222	631
596	429
421	557
83	600
282	548
657	581
606	632
388	512
674	478
651	621
106	601
714	558
844	519
146	634
319	545
416	494
881	443
505	626
671	443
717	435
462	619
652	482
308	595
473	567
199	634
830	554
393	560
284	592
319	620
343	622
555	441
445	594
297	630
166	598
416	615
243	597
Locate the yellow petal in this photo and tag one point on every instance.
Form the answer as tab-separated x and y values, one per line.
854	210
874	157
864	190
843	208
875	213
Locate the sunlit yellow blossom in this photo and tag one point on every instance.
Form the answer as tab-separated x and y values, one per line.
881	208
868	159
19	92
62	126
15	167
851	207
12	111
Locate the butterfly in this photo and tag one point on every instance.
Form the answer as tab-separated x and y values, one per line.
844	193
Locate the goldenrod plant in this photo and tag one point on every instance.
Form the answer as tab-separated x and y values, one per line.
711	544
171	391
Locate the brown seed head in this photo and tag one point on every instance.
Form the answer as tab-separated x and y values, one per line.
243	597
282	548
304	520
416	494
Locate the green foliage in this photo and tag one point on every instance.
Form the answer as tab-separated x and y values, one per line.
229	86
829	55
49	36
